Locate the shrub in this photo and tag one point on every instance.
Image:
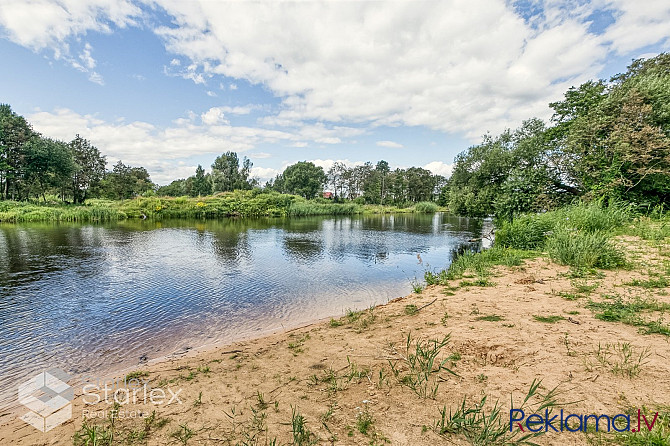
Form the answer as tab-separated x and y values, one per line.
426	207
525	232
581	249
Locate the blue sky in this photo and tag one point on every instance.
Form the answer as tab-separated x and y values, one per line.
170	84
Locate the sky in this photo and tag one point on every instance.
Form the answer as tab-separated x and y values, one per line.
170	84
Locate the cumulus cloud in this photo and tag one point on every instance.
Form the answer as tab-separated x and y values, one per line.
39	24
449	65
142	143
390	144
639	24
440	168
264	173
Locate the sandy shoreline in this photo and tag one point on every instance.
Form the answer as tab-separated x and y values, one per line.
339	374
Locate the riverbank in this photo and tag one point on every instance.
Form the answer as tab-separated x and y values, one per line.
222	205
400	373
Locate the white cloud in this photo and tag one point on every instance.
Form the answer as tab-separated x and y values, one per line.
158	148
264	173
451	65
390	144
260	155
440	168
213	116
96	78
175	62
39	24
328	163
638	24
211	94
86	57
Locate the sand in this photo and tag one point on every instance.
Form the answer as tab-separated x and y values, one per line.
338	375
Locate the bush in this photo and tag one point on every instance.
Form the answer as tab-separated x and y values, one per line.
582	249
426	207
525	232
592	217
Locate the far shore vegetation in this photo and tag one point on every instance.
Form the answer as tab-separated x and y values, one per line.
608	143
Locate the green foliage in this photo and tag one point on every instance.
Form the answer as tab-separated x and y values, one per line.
482	262
581	249
301	434
548	319
426	207
227	175
482	424
419	369
629	311
527	231
609	140
577	235
304	208
490	318
303	178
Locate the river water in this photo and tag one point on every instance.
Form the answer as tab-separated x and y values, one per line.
91	298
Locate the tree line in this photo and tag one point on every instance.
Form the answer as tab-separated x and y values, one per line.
366	183
607	140
32	166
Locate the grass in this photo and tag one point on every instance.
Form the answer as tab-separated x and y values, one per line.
628	311
548	319
658	436
136	374
183	434
411	310
247	203
532	231
658	282
580	249
301	434
419	368
364	422
490	318
297	345
426	207
481	263
482	426
619	358
481	281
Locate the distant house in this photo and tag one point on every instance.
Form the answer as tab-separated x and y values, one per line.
328	195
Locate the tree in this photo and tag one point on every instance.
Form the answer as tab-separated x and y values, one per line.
201	183
89	168
15	132
303	178
420	184
49	164
383	169
336	175
126	182
228	176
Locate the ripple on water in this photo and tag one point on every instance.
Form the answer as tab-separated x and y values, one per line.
89	299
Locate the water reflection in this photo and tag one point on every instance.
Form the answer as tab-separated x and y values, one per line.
86	298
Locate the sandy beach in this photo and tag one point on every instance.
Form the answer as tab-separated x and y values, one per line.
355	379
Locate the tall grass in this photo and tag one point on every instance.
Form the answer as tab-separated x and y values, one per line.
584	249
426	207
577	235
11	212
298	209
532	231
253	203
